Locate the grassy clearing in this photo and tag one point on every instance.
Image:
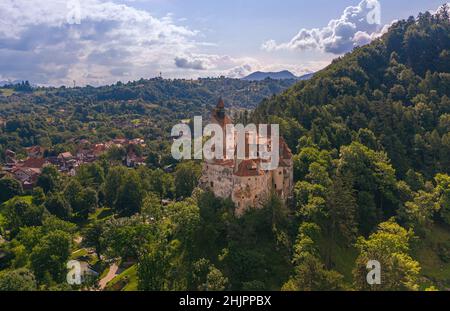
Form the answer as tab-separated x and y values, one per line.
344	258
27	198
125	281
101	213
341	256
428	251
79	253
6	92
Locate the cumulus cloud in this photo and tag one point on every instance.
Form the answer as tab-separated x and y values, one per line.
232	67
101	42
186	63
357	25
240	71
218	65
42	41
235	68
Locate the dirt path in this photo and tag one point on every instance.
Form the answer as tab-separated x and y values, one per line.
111	274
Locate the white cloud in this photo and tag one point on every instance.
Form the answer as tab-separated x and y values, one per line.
439	8
248	66
116	41
357	25
111	42
240	71
189	63
217	65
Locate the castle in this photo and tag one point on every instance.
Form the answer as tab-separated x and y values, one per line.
243	180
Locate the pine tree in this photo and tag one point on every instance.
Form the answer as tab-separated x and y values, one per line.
342	208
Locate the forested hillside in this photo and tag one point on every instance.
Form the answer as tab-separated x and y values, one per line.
141	220
55	117
371	134
371	141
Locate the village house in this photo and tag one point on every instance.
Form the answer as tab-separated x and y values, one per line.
86	155
10	157
137	141
66	161
243	180
35	152
37	163
132	160
27	171
27	176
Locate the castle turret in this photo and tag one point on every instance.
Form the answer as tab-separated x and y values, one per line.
219	111
242	179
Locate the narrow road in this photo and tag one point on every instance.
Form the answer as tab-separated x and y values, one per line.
111	274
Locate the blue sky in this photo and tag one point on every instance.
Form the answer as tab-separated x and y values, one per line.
98	42
263	19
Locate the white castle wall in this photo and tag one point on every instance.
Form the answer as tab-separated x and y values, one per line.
251	191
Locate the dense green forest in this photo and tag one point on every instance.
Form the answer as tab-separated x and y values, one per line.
56	118
371	141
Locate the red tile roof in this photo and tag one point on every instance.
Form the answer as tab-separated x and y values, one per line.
229	163
285	151
33	149
220	104
65	155
34	163
248	168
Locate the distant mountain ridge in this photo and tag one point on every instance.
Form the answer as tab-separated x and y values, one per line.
280	75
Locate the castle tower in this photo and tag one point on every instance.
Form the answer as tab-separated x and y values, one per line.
219	115
220	109
243	180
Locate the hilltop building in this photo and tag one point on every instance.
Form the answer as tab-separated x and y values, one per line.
244	180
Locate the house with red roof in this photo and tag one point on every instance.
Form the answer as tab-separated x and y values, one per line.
35	152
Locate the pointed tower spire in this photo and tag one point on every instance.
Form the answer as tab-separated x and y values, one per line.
220	104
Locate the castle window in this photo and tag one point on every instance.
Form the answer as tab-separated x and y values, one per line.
279	173
275	186
212	184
